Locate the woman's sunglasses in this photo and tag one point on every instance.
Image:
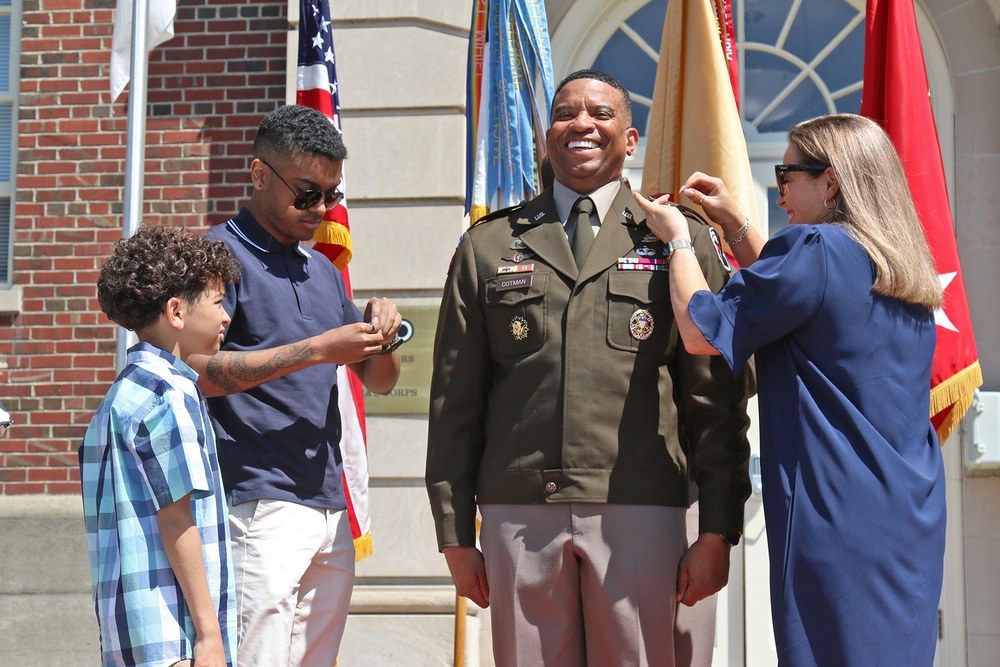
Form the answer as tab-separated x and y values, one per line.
781	169
306	199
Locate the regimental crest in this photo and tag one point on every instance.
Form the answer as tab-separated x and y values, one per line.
519	328
641	324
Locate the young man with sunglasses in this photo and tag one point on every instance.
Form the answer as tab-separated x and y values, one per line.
273	397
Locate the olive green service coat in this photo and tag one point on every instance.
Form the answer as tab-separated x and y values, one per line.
541	392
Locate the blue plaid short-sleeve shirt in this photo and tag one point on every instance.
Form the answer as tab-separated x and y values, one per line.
149	444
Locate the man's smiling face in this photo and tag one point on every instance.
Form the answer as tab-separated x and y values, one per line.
590	136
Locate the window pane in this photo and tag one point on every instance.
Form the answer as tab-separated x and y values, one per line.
763	19
766	77
817	23
648	22
5	53
5	240
843	66
622	58
6	115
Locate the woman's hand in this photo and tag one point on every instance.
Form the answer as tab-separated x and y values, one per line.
711	194
663	218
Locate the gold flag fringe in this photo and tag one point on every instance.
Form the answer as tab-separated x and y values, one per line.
363	547
957	392
335	233
477	211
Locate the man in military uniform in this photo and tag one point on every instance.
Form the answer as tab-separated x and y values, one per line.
564	406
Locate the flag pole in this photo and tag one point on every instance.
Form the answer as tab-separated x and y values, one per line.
459	653
135	143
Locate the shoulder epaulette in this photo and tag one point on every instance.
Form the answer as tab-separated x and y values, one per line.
691	214
694	216
499	213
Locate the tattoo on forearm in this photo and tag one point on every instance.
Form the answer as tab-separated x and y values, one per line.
216	374
240	371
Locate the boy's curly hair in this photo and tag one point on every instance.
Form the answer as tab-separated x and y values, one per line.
154	265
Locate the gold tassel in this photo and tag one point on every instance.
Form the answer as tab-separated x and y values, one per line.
363	547
956	391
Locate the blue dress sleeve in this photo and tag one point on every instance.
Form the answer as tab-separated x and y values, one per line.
771	298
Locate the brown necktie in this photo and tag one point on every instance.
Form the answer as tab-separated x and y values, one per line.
583	237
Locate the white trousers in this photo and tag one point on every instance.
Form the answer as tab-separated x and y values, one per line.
294	568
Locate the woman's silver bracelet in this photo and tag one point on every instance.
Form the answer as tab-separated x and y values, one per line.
740	235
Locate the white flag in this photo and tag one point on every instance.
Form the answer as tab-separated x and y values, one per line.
160	28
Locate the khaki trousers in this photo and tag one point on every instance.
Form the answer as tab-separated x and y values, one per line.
582	584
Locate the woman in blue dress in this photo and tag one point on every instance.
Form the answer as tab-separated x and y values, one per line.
837	310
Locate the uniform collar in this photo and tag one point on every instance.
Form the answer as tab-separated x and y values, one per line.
602	197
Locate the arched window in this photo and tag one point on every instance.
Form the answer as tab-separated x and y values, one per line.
798	59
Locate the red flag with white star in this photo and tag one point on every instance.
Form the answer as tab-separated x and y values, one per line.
316	87
897	95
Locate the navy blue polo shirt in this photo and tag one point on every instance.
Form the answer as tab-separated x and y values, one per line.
280	440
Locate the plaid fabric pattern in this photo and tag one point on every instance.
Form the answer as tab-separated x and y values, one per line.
149	444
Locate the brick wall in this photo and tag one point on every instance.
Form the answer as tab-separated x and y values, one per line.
208	89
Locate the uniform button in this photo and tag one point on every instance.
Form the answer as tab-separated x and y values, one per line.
551	487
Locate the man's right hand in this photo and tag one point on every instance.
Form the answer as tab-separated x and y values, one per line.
468	571
349	344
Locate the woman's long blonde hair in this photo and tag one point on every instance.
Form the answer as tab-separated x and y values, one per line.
874	203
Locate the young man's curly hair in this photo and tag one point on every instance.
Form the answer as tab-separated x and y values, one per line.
154	265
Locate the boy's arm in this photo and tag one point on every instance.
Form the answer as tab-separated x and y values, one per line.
182	543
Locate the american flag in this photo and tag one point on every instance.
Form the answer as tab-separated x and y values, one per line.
316	87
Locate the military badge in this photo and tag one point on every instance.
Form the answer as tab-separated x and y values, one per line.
519	328
518	244
718	249
641	324
644	251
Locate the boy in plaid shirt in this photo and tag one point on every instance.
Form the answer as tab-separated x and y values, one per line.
154	506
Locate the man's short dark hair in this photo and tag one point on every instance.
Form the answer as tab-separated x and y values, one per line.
156	264
603	77
297	130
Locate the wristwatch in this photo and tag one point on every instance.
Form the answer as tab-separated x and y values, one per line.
396	342
731	537
677	245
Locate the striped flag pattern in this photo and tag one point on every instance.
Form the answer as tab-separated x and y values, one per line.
316	87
